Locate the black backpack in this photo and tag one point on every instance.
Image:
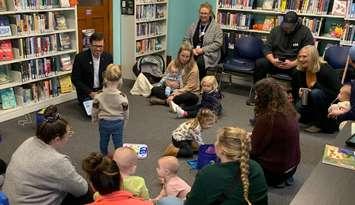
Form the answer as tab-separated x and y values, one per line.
152	66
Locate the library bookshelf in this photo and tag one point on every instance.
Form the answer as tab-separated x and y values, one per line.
144	33
258	17
38	42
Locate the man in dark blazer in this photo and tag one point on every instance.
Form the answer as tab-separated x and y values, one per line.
88	68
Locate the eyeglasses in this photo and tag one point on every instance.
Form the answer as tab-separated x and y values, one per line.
97	46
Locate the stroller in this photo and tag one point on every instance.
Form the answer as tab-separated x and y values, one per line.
152	66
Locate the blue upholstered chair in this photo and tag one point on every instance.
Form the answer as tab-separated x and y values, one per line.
242	59
336	56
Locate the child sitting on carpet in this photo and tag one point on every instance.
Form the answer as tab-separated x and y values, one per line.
173	75
211	99
173	185
126	159
343	106
188	136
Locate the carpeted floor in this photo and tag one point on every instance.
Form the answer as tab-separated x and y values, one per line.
152	125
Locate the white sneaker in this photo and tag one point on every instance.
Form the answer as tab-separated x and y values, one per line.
173	107
180	112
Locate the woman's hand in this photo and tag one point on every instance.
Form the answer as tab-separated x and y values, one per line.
172	84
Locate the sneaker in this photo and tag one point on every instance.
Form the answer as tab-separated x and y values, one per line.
180	112
171	150
289	181
251	102
173	107
252	121
313	129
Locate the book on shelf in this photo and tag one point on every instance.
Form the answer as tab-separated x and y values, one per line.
66	62
340	157
268	5
14	5
8	99
64	41
339	7
6	50
3	6
5	74
269	23
5	29
351	13
65	83
64	3
60	22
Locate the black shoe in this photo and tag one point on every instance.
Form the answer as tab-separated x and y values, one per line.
289	181
279	186
250	102
252	121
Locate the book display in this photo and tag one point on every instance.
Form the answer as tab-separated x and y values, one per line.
38	41
330	21
149	24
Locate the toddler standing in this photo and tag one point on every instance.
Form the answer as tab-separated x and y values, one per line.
211	99
110	108
172	76
173	185
188	136
126	159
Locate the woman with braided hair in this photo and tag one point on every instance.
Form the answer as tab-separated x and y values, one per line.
105	178
236	180
275	137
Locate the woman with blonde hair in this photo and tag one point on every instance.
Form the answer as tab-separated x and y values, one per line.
187	94
318	84
236	180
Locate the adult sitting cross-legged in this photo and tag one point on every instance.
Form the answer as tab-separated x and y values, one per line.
187	94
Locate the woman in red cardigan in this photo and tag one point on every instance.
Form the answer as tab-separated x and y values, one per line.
275	138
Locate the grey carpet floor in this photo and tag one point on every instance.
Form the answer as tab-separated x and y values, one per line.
152	125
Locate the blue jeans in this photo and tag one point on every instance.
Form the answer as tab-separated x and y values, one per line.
108	128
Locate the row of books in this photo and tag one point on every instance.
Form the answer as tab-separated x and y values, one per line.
34	46
348	35
149	1
40	68
314	24
151	28
35	92
22	24
148	45
18	5
335	7
235	20
237	4
150	11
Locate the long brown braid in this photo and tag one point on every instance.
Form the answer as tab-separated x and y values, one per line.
235	144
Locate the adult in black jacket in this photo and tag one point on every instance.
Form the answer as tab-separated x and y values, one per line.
282	47
88	68
323	83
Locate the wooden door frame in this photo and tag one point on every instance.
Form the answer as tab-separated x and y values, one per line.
110	20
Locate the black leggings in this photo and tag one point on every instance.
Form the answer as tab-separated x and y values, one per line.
187	99
276	179
185	148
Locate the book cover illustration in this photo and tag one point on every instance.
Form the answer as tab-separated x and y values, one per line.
5	29
339	7
6	50
339	157
8	99
65	83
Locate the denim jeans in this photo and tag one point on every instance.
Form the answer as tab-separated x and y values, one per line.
108	128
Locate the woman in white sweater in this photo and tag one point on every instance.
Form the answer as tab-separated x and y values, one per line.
38	173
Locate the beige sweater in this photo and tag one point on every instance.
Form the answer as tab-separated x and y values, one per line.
110	104
190	79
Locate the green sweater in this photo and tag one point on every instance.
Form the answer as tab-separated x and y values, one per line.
215	179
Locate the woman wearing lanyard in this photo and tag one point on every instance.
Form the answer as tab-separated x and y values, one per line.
206	37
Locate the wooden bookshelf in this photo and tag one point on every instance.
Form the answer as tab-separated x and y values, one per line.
41	50
144	33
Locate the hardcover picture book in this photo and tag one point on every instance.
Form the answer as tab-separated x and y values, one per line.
339	7
8	99
339	157
6	50
5	29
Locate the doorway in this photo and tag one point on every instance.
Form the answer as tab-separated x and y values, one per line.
95	14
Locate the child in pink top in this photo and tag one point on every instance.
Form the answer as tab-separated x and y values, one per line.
173	185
